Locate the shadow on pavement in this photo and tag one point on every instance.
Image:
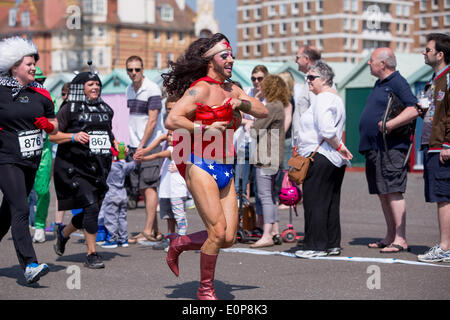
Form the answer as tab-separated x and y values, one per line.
188	290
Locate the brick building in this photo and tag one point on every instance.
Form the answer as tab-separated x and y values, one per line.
344	30
69	32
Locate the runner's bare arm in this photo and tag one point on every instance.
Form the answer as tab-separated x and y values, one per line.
184	110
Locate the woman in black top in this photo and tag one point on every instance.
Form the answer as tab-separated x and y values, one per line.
83	161
25	110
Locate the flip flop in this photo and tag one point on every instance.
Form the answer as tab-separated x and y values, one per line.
377	245
396	246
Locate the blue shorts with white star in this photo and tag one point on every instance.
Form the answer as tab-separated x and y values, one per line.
222	173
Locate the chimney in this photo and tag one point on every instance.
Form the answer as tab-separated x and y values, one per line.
181	4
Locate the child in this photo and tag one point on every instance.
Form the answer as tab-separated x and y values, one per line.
114	207
172	191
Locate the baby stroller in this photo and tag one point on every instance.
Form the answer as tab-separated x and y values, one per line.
290	195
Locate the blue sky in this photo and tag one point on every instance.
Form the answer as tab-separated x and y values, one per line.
226	14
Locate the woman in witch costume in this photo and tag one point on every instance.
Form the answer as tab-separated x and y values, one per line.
207	106
83	161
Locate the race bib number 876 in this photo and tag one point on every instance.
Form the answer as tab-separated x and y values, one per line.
30	142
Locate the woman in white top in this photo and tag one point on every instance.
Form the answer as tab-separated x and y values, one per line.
324	121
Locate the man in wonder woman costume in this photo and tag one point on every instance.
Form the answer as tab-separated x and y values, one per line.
207	106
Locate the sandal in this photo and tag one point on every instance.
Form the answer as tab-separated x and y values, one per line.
377	245
277	239
156	237
398	248
135	239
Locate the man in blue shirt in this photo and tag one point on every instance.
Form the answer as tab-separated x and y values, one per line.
385	173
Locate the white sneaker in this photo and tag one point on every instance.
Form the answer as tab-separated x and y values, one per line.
435	254
306	254
39	236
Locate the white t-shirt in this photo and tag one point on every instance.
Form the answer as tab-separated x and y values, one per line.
172	184
318	122
148	97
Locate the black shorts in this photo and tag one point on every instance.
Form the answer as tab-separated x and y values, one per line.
437	178
385	174
147	174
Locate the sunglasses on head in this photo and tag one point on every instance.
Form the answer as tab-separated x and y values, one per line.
257	78
135	69
311	77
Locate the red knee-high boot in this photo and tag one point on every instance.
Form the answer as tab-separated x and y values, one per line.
207	268
193	241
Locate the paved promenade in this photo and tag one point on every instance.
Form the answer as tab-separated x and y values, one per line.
139	272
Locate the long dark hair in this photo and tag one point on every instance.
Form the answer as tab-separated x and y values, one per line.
190	66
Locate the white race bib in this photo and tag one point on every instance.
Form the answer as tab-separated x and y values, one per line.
30	142
99	142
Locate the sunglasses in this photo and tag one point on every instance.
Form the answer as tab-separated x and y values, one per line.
428	50
257	78
225	55
135	69
311	77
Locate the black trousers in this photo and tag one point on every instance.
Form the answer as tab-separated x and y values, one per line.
16	183
321	201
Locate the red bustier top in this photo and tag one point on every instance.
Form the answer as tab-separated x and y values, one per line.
206	146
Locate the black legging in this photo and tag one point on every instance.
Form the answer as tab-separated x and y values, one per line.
16	183
87	219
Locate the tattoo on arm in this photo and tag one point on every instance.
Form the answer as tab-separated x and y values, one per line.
192	92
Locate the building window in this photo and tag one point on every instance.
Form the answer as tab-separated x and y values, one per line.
423	5
245	15
294	27
346	24
319	25
258	13
406	11
422	40
346	5
306	6
246	51
258	50
294	8
25	19
12	17
282	47
271	48
319	44
272	11
158	60
271	31
156	35
447	4
169	36
435	4
423	22
283	9
180	36
435	21
399	10
306	26
447	20
319	5
354	5
258	32
166	12
283	28
355	25
245	33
